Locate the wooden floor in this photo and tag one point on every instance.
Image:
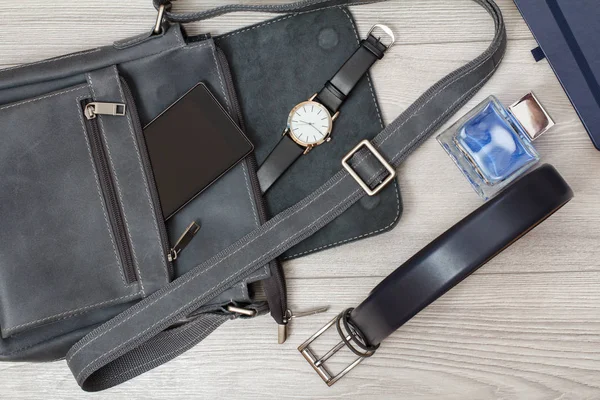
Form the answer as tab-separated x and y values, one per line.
526	326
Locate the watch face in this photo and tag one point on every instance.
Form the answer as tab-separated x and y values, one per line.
310	123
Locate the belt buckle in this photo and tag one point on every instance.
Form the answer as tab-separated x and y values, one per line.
380	158
318	364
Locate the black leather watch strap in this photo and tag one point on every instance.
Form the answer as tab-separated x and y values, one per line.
278	161
331	96
445	262
339	87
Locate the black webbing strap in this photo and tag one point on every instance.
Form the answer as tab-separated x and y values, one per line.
126	346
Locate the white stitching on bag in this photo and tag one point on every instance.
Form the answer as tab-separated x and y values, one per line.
69	314
252	203
214	54
81	53
137	150
183	307
102	203
211	328
120	264
452	105
219	73
80	87
265	7
397	188
202	272
284	18
92	339
72	313
356	237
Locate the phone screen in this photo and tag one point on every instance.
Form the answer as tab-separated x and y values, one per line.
191	144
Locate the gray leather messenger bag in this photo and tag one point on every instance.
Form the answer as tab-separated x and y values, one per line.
85	267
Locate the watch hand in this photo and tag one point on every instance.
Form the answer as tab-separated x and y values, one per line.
312	124
317	129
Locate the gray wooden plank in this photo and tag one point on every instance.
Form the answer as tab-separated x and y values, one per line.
67	26
505	337
526	326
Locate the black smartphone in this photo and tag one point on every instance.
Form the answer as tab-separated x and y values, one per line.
191	144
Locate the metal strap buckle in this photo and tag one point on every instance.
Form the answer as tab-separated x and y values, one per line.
158	26
358	179
246	312
387	31
318	364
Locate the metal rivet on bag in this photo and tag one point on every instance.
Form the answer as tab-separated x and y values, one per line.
328	38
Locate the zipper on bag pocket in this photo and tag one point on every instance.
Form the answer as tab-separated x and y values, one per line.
93	109
274	287
147	166
183	241
99	153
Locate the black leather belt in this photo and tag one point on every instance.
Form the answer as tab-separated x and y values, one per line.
443	264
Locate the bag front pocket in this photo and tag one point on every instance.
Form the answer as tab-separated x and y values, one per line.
65	243
108	186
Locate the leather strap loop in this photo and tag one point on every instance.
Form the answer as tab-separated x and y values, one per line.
356	335
339	87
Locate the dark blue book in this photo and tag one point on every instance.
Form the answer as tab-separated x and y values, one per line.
568	33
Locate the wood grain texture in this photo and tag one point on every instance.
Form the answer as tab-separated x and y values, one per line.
526	326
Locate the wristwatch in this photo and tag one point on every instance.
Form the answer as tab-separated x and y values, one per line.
310	123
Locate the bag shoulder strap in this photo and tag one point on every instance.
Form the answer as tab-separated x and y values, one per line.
286	8
138	340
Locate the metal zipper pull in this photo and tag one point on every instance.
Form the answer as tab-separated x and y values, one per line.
183	241
289	315
308	312
92	110
282	333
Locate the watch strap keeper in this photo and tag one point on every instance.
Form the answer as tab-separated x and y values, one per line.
354	69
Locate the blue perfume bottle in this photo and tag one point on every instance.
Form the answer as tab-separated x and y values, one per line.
492	144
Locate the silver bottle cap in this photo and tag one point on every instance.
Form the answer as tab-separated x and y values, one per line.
532	116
